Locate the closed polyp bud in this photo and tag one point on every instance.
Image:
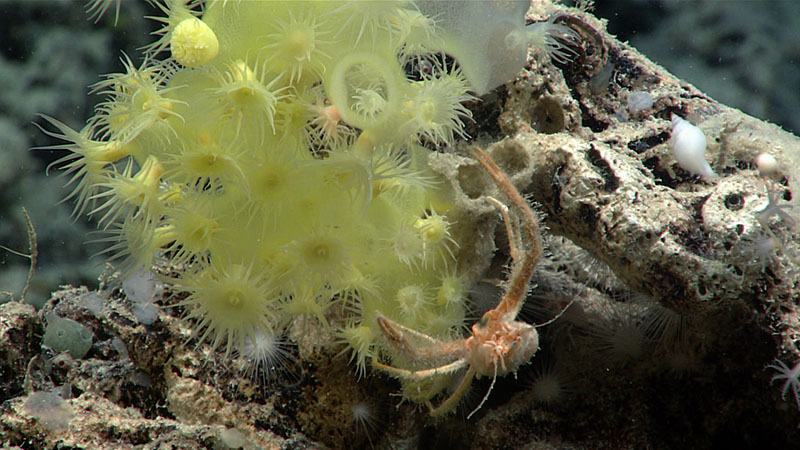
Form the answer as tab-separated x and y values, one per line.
193	43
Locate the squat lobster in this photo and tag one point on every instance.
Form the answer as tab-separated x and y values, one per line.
499	343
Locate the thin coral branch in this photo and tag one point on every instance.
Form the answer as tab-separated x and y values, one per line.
33	253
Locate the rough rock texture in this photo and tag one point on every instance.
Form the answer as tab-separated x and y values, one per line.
675	310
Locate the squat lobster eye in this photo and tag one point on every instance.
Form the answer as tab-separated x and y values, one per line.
499	344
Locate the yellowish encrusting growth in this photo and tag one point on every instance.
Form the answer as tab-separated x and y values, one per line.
271	151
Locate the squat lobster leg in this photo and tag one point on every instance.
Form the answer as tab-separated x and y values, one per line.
499	344
524	264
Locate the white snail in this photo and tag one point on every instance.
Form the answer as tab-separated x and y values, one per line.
688	144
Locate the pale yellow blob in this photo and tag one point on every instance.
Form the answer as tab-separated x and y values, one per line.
193	43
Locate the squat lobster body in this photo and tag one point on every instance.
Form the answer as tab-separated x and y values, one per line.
497	348
499	343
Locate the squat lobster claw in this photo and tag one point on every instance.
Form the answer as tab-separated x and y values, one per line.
499	343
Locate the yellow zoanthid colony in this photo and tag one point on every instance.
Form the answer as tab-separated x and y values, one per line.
270	150
275	157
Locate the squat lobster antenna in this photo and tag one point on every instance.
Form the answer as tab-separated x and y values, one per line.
557	316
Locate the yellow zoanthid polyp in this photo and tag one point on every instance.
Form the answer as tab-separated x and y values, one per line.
305	300
248	98
406	244
137	105
411	300
435	105
271	154
434	231
86	163
451	290
274	181
326	129
359	341
298	46
369	22
323	256
196	225
206	161
125	194
230	301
